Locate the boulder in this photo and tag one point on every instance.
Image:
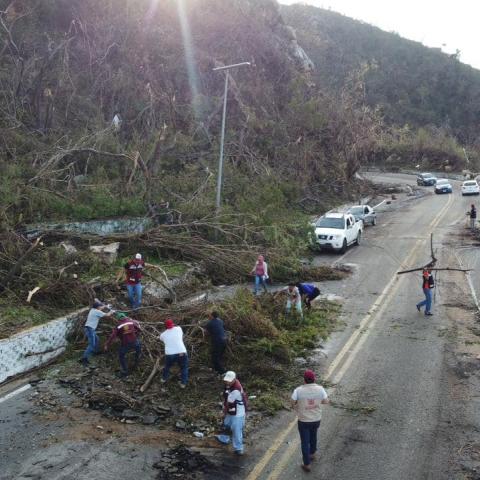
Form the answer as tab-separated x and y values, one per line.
108	253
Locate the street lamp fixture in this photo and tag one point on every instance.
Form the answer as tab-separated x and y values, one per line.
222	138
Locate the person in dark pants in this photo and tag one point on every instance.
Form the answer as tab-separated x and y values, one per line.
309	293
308	400
215	327
427	285
175	351
473	216
134	269
127	331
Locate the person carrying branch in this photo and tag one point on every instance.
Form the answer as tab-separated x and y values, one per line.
293	298
175	351
127	330
427	285
473	216
98	311
260	271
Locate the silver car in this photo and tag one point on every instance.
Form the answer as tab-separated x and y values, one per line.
365	213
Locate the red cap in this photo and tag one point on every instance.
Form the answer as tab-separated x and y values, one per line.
169	323
309	376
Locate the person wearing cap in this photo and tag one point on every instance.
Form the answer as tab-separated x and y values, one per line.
427	285
234	409
175	351
216	329
308	400
127	330
134	271
98	311
260	271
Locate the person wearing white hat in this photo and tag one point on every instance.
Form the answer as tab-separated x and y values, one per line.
234	409
134	271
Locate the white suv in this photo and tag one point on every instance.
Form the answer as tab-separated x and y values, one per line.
470	187
336	231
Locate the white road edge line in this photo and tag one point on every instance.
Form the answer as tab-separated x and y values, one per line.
470	283
15	392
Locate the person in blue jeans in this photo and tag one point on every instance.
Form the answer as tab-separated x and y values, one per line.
175	351
427	285
98	311
260	271
234	409
134	271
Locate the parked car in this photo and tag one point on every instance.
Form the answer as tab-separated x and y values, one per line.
443	186
365	213
426	179
470	187
336	231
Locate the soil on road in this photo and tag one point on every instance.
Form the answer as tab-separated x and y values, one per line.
403	386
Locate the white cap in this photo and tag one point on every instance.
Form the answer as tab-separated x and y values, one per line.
138	256
229	376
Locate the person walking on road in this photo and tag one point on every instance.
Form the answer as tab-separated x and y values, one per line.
308	400
216	329
134	271
175	351
234	410
127	331
427	285
473	216
98	311
260	271
308	292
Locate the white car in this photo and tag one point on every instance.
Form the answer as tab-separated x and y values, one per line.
470	187
336	231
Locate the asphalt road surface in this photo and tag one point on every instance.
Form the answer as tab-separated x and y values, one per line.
396	410
395	413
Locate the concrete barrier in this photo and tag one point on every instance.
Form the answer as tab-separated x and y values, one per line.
36	346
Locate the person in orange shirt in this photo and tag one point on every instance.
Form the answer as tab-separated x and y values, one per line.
427	285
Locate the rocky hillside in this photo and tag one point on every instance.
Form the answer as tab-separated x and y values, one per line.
407	81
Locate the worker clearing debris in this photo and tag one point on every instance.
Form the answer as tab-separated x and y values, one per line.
175	351
308	293
427	285
293	298
127	331
234	412
134	271
99	310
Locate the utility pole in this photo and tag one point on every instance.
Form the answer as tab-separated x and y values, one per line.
227	68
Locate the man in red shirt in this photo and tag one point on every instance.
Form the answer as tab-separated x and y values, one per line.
134	272
127	331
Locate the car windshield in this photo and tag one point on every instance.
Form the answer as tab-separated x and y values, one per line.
356	210
426	175
329	222
442	182
470	184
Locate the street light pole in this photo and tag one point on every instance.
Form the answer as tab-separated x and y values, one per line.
222	137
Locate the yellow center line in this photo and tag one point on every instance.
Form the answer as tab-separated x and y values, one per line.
348	349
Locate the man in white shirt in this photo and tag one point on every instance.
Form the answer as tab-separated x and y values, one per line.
308	400
175	351
234	407
98	311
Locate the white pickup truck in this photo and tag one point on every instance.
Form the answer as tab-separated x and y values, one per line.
336	231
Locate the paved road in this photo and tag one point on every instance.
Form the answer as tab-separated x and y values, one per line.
389	360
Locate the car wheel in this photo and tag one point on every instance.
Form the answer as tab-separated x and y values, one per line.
359	238
344	246
374	221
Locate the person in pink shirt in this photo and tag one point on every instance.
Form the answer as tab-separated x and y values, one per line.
260	271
